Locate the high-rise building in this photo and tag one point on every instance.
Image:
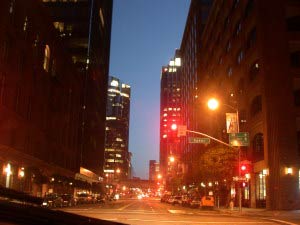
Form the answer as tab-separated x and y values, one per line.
190	54
153	170
44	91
117	157
85	28
170	115
239	64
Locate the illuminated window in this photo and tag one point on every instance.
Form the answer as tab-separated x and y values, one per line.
12	5
101	17
261	191
59	26
110	160
114	83
25	24
254	70
46	58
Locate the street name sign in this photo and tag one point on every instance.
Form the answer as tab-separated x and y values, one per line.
239	139
197	140
240	179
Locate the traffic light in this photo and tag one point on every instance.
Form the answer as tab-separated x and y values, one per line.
245	169
173	130
174	127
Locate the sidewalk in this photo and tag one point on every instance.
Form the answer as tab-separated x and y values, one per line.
284	216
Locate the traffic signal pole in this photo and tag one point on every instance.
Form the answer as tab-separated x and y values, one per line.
239	159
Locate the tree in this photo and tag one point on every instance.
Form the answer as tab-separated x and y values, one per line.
217	164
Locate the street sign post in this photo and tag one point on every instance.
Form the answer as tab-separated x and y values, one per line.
239	139
197	140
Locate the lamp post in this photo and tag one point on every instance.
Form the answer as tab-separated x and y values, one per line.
213	104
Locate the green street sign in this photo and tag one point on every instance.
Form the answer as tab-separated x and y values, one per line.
239	139
197	140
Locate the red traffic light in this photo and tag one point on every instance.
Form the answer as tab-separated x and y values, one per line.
174	126
243	167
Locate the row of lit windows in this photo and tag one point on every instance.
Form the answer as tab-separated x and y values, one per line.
171	109
114	160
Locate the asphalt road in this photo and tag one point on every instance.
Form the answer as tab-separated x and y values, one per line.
152	211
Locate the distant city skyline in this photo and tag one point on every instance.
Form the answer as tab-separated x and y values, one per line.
145	35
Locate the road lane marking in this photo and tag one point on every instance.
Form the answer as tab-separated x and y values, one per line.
198	222
126	206
177	211
282	221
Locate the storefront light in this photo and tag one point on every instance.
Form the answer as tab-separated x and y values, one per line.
21	172
288	170
265	172
7	169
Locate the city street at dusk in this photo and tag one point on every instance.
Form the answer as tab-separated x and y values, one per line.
152	211
149	112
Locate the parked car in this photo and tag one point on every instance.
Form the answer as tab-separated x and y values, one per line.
101	198
165	198
195	202
84	198
171	199
186	200
69	200
52	200
177	200
207	202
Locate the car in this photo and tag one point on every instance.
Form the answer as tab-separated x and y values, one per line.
84	198
177	200
69	200
207	202
165	198
101	198
195	202
186	200
52	200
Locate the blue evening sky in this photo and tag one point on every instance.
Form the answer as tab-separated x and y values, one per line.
145	34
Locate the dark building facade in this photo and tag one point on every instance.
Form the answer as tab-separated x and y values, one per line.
117	157
41	100
85	28
249	59
190	55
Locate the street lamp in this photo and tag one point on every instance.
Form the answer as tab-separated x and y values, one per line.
159	176
213	104
172	159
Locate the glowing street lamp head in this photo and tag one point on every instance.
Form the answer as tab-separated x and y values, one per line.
118	170
159	176
213	104
172	159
